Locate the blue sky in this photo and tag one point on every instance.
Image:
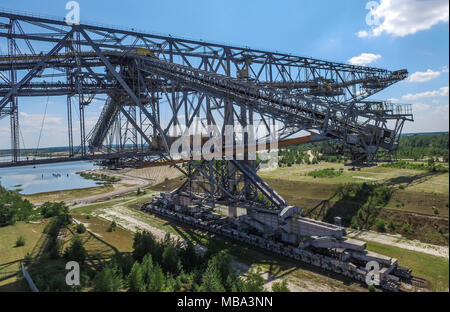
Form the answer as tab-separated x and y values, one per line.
327	29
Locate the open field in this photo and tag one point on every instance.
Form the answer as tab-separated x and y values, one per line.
420	198
32	233
10	256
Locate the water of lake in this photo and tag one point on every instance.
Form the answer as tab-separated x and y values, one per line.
46	178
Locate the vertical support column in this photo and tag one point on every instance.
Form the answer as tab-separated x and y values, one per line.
210	162
14	103
229	121
82	128
69	80
69	125
79	88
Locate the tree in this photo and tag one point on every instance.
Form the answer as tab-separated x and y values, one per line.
170	259
254	282
49	209
112	226
381	225
13	208
211	279
280	286
108	280
76	251
157	280
189	257
81	228
135	279
147	269
144	243
222	263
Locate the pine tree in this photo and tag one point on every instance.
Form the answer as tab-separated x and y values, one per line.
211	280
170	259
147	269
135	279
76	251
108	280
156	279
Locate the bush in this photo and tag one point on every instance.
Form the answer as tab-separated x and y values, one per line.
391	226
81	228
254	282
28	259
325	173
280	287
49	209
20	241
112	226
381	225
354	223
406	227
371	288
88	217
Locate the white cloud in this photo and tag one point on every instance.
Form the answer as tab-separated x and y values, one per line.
34	121
406	17
418	107
445	69
362	33
364	59
427	94
424	76
441	110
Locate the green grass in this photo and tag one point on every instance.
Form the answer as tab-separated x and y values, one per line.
419	192
104	243
434	269
9	234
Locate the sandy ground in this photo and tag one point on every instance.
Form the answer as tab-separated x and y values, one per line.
126	185
294	284
365	178
131	181
155	174
398	241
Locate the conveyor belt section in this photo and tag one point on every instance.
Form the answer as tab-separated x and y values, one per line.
104	123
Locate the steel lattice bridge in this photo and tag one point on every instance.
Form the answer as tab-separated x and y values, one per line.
154	84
